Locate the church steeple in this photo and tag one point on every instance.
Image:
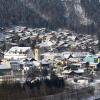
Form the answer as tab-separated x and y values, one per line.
36	51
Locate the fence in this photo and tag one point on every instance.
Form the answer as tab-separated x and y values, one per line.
67	95
75	94
83	94
11	79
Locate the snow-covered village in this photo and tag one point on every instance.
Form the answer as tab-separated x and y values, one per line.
29	56
49	49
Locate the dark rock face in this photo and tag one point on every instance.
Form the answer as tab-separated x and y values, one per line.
13	12
73	14
92	9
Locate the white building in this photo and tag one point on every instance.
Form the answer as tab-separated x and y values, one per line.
18	53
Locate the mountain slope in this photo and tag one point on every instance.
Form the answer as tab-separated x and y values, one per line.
46	13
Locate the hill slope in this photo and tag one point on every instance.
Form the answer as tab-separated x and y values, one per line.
49	13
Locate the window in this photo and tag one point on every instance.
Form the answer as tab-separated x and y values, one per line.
95	60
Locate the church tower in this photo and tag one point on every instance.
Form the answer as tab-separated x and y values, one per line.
36	53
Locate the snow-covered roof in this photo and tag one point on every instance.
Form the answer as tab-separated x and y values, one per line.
66	71
49	54
66	45
19	28
18	53
2	37
46	44
74	59
79	54
45	62
5	66
24	38
66	55
60	43
98	54
18	49
36	63
72	37
79	71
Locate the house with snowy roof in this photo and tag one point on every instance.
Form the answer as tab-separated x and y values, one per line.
18	53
